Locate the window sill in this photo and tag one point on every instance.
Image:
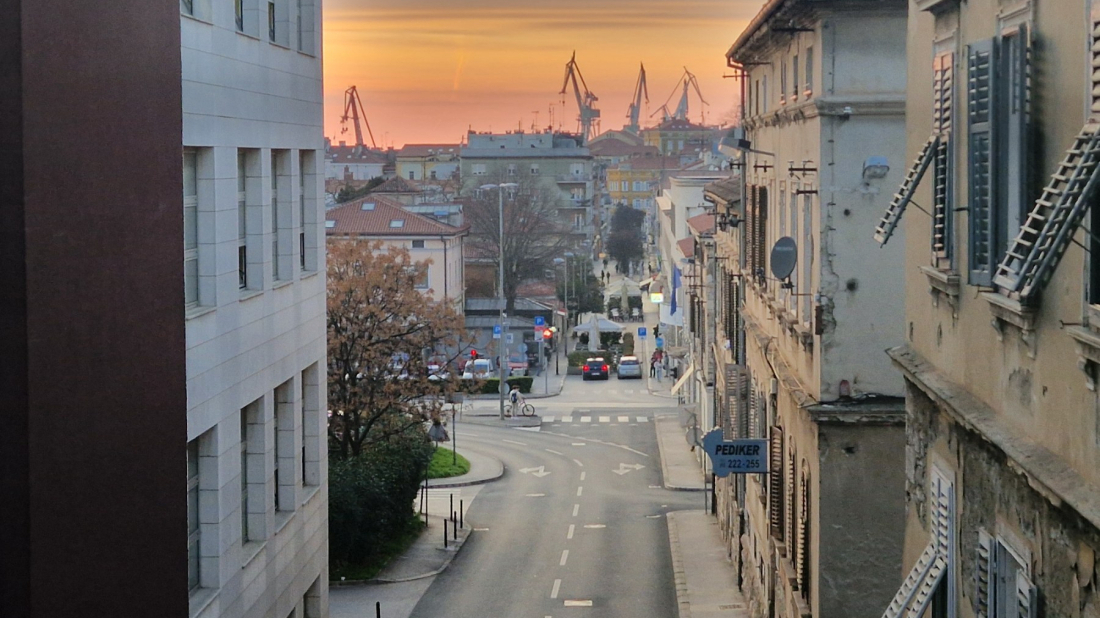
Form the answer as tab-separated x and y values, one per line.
308	54
198	311
198	19
281	283
310	491
1009	312
282	518
200	599
247	294
247	35
250	550
307	274
942	283
277	44
1088	353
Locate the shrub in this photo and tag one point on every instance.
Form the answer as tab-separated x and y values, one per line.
490	386
576	359
628	344
371	497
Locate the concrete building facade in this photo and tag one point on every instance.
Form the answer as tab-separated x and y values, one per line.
428	161
254	306
794	357
352	163
1001	343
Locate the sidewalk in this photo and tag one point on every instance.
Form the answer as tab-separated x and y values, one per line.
706	585
483	468
679	467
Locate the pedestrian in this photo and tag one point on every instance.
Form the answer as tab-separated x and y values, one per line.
653	365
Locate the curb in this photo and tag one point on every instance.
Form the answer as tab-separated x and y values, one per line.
480	481
682	604
377	581
664	467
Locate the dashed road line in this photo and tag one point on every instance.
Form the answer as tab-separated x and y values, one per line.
569	534
514	442
583	474
624	419
567	419
578	603
555	589
643	419
551	451
576	508
564	557
586	419
580	490
605	419
577	461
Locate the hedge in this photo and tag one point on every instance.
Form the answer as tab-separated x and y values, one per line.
489	386
576	359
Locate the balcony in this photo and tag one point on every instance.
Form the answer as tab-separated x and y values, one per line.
573	178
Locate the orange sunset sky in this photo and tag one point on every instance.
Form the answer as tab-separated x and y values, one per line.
428	70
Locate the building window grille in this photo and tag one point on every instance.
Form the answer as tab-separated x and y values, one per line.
193	531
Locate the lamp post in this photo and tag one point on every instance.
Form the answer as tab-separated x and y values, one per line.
502	364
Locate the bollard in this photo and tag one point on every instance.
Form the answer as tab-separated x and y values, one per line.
452	503
454	528
377	609
444	534
460	514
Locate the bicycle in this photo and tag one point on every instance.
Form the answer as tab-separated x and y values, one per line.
525	410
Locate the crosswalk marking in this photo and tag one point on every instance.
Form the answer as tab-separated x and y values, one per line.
567	419
605	419
642	419
586	419
612	420
624	419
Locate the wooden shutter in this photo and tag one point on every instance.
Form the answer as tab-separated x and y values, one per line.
983	575
754	398
981	169
775	483
762	233
1026	597
896	208
749	228
1094	63
1012	111
943	82
791	511
802	549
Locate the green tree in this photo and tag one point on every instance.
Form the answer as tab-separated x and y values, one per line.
347	194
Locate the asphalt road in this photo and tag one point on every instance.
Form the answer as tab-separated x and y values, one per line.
575	526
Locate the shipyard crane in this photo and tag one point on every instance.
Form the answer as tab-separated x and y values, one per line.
688	81
353	109
640	90
589	116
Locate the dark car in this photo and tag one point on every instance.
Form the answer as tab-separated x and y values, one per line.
595	368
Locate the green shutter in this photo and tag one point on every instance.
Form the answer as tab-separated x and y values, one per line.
981	169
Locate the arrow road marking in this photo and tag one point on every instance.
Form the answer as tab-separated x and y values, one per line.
624	468
539	471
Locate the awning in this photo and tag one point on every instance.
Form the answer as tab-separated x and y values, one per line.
683	379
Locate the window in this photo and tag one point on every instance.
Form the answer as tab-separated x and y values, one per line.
809	71
756	91
253	482
802	543
765	95
433	175
783	82
418	244
277	273
285	452
511	169
412	175
756	228
271	21
937	559
187	7
245	436
238	14
794	77
305	166
479	169
807	257
330	224
534	169
624	186
397	223
576	169
775	483
1003	588
578	221
193	515
997	134
242	220
305	26
792	231
190	228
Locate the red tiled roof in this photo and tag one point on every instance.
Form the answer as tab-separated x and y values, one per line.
702	224
349	154
427	150
396	184
351	220
687	246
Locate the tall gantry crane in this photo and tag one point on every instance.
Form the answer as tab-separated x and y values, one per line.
640	90
688	81
589	116
353	109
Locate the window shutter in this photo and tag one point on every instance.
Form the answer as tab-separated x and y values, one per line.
943	86
749	225
1013	139
1094	63
983	575
762	231
754	398
802	549
901	199
980	76
1026	597
775	482
792	525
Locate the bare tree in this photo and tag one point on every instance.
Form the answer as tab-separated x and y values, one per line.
533	232
383	335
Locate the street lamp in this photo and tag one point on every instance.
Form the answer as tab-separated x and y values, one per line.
502	365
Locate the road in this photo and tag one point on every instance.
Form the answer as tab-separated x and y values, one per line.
576	526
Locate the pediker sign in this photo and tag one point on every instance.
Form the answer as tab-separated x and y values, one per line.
735	456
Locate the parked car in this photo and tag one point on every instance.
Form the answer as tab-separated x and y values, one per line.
630	367
595	368
479	369
517	364
438	372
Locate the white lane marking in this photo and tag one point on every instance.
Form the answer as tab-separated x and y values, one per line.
624	419
569	534
551	451
580	490
554	591
624	468
583	475
539	471
548	419
534	495
578	603
576	507
605	419
578	444
564	557
578	463
586	419
594	526
567	419
514	442
642	419
655	487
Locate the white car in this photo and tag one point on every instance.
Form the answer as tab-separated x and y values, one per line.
437	373
479	369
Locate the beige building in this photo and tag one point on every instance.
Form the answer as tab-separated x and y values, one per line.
1002	332
382	219
428	161
793	355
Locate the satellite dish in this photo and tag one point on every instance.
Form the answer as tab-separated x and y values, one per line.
784	257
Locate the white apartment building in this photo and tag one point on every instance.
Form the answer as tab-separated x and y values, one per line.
255	293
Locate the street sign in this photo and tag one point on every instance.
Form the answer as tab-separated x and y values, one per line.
641	332
660	342
496	331
539	329
736	456
540	321
656	297
510	338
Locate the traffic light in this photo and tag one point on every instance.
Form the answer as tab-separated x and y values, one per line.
547	335
473	354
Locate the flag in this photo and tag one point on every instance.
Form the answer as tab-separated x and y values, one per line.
675	286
